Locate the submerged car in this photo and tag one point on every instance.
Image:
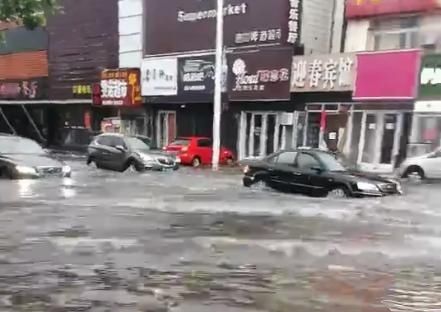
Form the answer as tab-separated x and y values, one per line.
118	152
424	166
316	173
22	158
198	151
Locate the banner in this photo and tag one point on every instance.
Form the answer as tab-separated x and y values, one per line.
159	76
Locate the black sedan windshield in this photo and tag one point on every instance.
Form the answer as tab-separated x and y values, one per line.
137	144
14	145
330	162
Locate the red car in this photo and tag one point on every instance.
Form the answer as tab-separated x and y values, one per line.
197	151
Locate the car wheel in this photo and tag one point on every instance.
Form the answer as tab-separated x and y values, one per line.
414	172
339	192
134	166
196	162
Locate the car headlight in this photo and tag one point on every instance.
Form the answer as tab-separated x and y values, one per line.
367	187
66	169
26	170
147	159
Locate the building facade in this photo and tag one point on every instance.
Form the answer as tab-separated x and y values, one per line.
390	39
173	45
83	42
24	81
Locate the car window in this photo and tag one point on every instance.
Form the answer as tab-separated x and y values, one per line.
137	144
105	140
286	158
15	145
181	142
204	143
307	161
118	141
437	154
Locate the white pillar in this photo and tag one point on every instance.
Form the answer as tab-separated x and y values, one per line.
217	111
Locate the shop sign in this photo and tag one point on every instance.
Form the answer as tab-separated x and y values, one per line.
427	107
294	21
366	8
382	76
28	89
259	75
81	90
159	76
191	25
120	87
323	73
430	77
196	74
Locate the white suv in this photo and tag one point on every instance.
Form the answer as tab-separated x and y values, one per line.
424	166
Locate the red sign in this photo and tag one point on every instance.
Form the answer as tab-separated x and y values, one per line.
366	8
382	76
118	87
32	89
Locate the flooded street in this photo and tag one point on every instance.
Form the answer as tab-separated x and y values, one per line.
198	241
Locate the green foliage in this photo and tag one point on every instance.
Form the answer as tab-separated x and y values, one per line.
31	13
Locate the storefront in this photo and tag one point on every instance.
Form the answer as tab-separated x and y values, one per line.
384	98
258	91
178	70
120	97
179	92
426	126
330	79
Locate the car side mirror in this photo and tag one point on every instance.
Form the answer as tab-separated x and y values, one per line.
318	169
120	148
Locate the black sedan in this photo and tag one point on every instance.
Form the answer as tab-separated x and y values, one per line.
316	173
24	158
118	152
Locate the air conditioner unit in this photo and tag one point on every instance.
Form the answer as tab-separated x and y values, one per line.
287	119
429	40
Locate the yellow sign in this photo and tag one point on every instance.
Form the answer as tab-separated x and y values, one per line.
82	89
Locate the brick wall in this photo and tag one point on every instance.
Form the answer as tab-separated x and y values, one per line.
23	65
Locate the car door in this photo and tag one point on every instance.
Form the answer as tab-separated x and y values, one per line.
306	176
205	150
117	156
281	170
103	151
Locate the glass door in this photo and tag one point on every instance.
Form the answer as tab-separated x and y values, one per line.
260	135
165	128
380	141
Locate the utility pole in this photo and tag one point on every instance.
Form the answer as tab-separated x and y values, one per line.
217	109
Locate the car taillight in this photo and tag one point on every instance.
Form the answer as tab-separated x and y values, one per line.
184	148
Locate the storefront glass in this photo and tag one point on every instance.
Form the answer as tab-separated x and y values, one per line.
426	134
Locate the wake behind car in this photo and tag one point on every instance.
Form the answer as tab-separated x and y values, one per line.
316	173
118	152
24	158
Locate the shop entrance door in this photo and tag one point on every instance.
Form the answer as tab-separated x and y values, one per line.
261	134
379	143
165	128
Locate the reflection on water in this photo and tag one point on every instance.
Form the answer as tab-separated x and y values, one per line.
195	241
25	188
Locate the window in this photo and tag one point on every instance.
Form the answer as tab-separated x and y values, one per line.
117	141
307	161
394	34
287	158
105	140
204	143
